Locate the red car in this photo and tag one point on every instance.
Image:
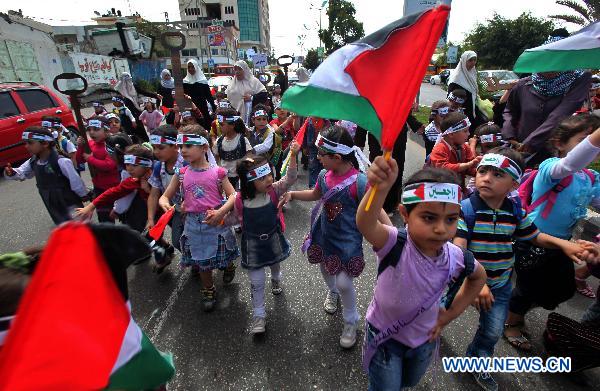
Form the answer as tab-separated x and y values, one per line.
23	104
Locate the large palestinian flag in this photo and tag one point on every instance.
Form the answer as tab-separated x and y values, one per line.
373	82
579	51
73	329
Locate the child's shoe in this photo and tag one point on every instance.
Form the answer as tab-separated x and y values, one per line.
348	337
229	273
276	288
209	298
258	325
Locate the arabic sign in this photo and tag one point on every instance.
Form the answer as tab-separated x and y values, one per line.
96	69
260	60
214	29
416	6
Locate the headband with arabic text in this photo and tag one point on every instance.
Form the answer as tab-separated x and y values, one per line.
441	110
595	86
431	192
96	123
224	104
457	127
33	135
191	139
50	124
156	139
503	163
258	172
137	161
260	113
455	98
118	99
490	138
110	116
97	104
186	114
231	118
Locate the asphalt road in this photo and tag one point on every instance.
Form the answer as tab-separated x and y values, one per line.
300	351
430	94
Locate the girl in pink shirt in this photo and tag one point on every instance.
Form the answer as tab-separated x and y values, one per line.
206	243
150	117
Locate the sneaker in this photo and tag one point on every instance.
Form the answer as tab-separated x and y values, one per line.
229	273
238	230
348	337
485	381
276	288
258	325
209	298
331	302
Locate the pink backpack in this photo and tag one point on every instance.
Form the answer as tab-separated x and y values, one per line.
526	191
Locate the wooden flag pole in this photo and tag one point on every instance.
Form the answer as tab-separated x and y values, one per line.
386	156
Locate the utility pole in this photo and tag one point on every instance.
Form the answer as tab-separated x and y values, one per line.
200	36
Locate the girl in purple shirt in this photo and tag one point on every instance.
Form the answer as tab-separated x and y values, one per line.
415	265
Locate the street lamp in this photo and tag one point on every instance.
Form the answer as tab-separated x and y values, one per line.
325	2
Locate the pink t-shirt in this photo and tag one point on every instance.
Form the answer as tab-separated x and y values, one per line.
401	288
333	180
202	188
151	119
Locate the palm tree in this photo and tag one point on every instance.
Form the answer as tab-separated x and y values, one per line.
588	12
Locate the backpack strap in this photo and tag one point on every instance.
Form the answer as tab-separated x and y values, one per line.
321	181
590	174
219	145
392	257
275	201
469	216
454	286
156	169
361	186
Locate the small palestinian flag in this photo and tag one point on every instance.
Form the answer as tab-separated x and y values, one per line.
73	329
579	51
373	82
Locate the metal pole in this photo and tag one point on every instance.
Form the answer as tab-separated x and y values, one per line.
200	36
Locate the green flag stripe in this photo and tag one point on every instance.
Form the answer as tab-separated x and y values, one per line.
147	370
532	61
310	100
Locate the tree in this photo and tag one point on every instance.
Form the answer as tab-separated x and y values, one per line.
343	26
499	41
589	12
311	61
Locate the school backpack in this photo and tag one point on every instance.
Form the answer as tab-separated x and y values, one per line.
526	191
469	208
392	258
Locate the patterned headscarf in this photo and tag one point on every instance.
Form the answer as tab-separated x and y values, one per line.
557	85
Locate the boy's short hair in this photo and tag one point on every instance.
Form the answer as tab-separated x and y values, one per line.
261	106
452	119
511	154
460	93
487	128
432	175
139	150
165	130
42	130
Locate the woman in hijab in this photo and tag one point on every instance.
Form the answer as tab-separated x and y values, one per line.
242	89
302	74
537	104
196	86
165	90
128	90
464	76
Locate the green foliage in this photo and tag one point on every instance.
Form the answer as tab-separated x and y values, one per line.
148	85
588	12
423	114
152	30
343	26
311	61
271	59
499	41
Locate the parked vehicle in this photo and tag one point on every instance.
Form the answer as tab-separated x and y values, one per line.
220	83
503	77
23	104
440	78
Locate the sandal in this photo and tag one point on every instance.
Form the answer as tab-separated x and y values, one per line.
586	290
520	341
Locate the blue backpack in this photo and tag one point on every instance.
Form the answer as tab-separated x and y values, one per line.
469	206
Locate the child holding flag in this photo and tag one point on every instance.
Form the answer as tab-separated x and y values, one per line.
404	319
206	243
263	244
334	241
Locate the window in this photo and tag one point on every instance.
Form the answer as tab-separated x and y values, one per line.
229	10
214	51
36	99
204	52
223	52
8	108
249	20
192	11
192	25
189	52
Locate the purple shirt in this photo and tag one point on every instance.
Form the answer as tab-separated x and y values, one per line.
151	119
402	288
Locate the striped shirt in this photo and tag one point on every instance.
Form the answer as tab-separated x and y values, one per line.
492	237
431	132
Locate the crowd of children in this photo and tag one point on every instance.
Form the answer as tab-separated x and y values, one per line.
456	233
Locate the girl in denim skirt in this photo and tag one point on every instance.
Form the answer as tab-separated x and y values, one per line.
263	244
206	243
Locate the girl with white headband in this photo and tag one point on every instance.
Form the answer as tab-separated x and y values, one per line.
414	267
262	136
263	243
206	244
439	111
334	241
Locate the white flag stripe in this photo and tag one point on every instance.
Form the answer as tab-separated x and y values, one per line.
589	39
131	345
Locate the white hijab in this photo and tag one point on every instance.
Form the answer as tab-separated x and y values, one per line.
197	77
249	85
126	88
302	74
465	78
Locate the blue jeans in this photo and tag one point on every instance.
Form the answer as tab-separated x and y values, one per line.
314	166
395	365
491	323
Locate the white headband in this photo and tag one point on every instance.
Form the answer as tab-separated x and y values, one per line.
490	138
463	124
95	123
36	136
156	139
260	113
431	192
503	163
441	110
455	98
110	116
224	104
342	149
186	114
595	86
137	161
196	139
231	118
258	172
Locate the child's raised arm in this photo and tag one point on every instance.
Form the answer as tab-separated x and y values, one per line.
383	174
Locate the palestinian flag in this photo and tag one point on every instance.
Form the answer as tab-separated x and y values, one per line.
579	51
373	82
73	329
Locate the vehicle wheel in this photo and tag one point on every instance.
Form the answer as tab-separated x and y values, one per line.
432	81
